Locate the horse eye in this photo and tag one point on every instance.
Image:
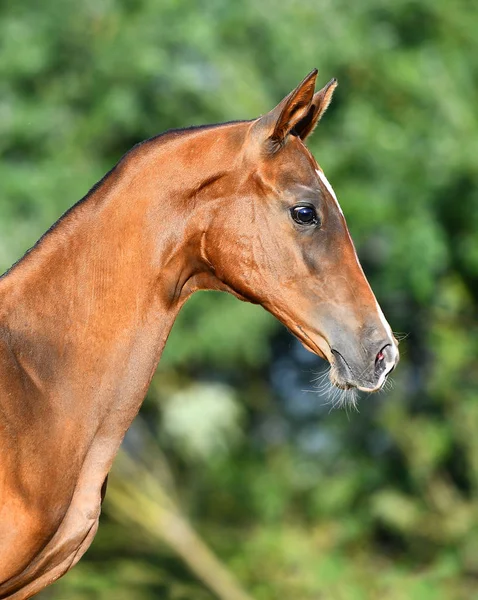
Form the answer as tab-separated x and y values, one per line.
304	215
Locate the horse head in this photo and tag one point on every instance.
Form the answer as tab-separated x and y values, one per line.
279	238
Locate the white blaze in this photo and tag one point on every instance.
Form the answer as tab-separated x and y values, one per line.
385	324
330	189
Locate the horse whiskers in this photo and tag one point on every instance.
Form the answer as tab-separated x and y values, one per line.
343	399
337	397
388	385
322	376
400	336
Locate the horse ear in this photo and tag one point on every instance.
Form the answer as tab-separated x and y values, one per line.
320	103
280	121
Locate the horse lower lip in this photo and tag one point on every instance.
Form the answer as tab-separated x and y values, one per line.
345	386
369	390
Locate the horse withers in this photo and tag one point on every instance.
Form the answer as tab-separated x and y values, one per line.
241	207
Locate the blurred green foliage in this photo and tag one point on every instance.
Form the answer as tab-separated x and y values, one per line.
297	502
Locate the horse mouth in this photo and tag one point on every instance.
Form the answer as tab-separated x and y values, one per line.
341	375
370	381
348	385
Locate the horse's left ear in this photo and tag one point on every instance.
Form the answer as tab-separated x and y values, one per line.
318	106
276	125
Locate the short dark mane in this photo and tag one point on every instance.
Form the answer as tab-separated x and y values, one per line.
98	184
180	130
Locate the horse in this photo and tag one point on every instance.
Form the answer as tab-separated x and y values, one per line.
241	207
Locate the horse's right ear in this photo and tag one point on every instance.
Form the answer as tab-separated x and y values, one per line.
276	125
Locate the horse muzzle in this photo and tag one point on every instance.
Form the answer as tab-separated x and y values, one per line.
366	371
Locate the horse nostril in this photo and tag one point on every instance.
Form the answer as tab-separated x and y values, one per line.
386	360
383	360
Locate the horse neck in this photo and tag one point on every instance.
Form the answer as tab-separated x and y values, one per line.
89	310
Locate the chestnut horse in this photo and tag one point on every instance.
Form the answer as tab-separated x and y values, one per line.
241	207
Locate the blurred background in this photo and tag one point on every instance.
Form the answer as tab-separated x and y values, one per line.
237	480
